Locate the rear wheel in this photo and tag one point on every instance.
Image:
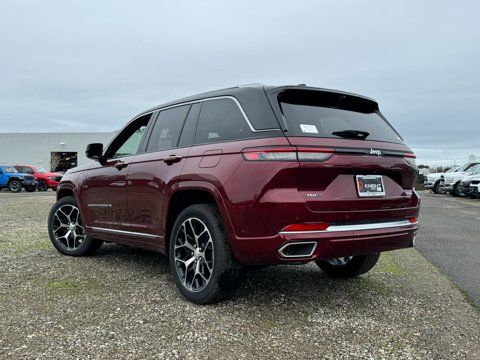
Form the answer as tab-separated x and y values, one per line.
349	266
66	229
15	186
201	261
42	186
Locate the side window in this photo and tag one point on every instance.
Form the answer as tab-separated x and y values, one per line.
128	141
221	120
166	131
187	138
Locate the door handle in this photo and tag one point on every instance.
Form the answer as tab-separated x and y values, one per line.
169	160
120	165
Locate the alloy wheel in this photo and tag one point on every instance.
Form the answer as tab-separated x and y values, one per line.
67	227
194	254
15	186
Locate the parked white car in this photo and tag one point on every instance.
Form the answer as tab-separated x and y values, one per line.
473	191
463	187
452	180
434	181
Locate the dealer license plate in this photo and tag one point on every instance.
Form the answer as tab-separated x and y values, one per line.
370	185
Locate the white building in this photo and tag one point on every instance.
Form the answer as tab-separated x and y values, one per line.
49	150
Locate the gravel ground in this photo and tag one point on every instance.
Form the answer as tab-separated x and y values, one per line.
122	303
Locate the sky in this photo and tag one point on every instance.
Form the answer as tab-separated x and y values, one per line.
68	66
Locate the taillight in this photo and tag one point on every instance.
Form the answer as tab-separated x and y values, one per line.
306	227
270	154
410	158
287	154
412	220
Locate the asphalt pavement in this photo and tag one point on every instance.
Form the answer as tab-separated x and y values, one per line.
449	237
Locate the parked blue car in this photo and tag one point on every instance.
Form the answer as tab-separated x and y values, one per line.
13	180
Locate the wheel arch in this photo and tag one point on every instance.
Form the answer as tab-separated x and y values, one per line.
12	178
66	189
186	194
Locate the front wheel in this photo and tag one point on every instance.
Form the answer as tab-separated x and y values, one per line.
201	260
15	186
350	266
436	187
66	229
456	191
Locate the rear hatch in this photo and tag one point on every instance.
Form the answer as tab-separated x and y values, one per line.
351	158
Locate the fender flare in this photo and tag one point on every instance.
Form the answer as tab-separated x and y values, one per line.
205	186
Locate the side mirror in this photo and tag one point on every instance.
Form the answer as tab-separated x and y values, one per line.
94	151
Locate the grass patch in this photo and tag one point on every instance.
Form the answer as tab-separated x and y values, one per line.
388	265
71	287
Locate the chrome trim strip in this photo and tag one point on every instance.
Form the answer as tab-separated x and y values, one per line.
123	232
283	247
357	227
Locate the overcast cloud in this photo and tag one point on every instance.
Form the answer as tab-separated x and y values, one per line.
91	65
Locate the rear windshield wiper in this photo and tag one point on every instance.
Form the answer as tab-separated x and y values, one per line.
351	134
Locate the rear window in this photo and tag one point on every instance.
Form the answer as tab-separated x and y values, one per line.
322	114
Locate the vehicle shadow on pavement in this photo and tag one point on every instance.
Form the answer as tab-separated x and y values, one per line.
290	283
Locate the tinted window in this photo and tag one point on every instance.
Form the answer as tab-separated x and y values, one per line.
187	138
323	114
128	141
166	130
221	120
24	169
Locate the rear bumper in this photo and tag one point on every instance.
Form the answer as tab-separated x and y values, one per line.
337	241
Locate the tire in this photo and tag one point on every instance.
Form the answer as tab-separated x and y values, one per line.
213	274
436	186
350	267
456	191
30	189
65	211
42	186
15	186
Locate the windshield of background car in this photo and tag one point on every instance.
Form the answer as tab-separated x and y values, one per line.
41	170
466	167
475	170
9	169
320	114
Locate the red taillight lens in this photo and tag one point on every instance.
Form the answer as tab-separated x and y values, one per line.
306	227
270	154
287	154
410	158
412	219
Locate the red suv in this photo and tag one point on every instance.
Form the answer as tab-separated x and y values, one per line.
45	179
246	176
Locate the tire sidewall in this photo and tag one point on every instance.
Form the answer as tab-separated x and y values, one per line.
86	245
42	186
215	227
19	188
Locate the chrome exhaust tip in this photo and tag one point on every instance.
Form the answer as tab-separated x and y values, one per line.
297	249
